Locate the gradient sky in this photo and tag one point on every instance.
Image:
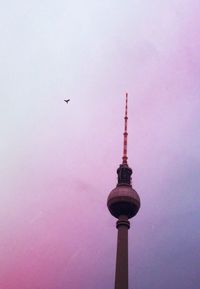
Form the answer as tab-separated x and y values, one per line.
58	161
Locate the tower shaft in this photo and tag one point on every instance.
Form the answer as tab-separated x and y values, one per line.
121	273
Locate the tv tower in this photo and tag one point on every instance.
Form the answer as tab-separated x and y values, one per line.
123	203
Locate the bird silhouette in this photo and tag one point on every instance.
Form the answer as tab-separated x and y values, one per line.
66	100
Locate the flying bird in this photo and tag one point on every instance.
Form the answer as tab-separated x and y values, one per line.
66	100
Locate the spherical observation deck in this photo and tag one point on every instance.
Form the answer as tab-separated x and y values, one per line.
123	200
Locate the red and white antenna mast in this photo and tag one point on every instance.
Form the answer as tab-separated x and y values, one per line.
124	158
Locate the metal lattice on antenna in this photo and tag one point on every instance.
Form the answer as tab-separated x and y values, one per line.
125	157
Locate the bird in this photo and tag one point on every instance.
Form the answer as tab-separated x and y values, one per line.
66	100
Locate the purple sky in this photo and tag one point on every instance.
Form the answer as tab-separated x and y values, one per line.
58	161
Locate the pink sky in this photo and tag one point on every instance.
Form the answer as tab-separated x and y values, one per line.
58	161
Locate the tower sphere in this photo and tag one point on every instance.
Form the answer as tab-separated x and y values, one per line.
123	200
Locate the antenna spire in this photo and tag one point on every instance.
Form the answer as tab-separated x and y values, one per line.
124	158
124	172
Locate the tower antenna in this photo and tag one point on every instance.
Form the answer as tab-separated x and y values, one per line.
124	158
